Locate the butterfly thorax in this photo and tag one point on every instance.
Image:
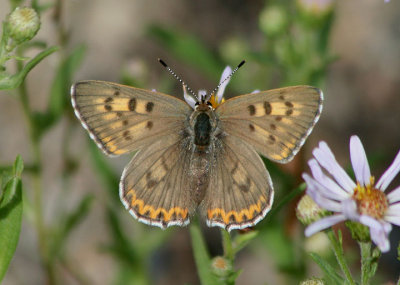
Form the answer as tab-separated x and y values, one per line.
203	123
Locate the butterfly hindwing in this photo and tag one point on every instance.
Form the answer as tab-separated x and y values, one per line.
154	186
121	119
240	192
275	122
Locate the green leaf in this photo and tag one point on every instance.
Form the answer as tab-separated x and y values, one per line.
59	93
121	246
18	166
337	244
328	269
232	278
201	256
10	217
398	252
13	81
70	222
285	200
241	240
189	49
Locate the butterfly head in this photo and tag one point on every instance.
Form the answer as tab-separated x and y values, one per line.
203	104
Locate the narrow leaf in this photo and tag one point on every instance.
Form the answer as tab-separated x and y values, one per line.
201	256
59	95
241	240
70	222
328	269
13	81
10	217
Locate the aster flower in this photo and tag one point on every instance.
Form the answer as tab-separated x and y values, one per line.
363	201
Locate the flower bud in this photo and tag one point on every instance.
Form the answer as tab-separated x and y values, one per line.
307	211
23	24
221	266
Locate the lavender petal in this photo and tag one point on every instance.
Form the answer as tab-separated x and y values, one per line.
323	224
389	174
335	191
359	161
220	93
327	160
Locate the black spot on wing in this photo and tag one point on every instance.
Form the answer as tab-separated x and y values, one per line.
267	108
252	110
132	104
149	107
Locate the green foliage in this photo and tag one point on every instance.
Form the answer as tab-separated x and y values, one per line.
13	81
369	261
202	257
59	100
330	272
9	43
69	222
10	214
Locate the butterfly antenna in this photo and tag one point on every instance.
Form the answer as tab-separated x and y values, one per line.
229	76
177	77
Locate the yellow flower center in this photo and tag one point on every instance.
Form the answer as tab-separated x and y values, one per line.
214	101
370	201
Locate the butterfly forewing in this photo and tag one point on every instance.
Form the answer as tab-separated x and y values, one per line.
240	192
275	122
121	119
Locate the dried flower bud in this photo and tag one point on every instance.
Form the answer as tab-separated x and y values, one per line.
23	24
308	211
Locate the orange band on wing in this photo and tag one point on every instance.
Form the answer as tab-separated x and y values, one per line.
243	215
150	212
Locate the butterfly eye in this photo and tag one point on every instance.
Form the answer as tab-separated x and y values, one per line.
197	104
209	104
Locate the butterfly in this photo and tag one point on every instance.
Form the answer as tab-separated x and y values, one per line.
200	154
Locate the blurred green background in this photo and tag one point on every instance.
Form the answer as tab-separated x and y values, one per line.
349	49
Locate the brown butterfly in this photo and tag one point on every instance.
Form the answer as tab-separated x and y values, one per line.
199	154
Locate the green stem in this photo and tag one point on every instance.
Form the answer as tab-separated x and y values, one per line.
37	183
227	245
201	256
3	45
337	247
365	248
